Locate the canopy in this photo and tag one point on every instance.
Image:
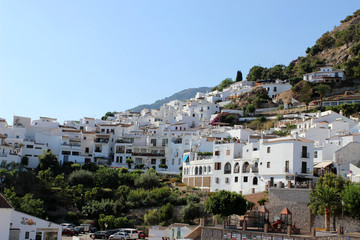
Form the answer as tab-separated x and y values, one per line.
323	164
185	158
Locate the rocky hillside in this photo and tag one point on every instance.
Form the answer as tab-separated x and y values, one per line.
336	44
181	96
339	48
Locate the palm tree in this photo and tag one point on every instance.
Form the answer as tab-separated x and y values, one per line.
323	199
322	90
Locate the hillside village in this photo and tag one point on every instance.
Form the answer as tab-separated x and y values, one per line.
180	135
248	136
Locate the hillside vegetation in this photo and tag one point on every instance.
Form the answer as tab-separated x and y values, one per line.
339	48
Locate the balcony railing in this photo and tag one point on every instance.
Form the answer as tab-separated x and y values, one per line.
305	170
71	144
148	154
305	155
203	157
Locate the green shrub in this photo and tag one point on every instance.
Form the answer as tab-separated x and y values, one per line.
83	177
147	180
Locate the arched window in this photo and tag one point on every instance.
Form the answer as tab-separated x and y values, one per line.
209	168
204	169
227	168
237	168
196	170
255	181
200	171
246	167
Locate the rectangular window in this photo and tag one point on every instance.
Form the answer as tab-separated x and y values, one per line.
227	180
227	152
268	164
315	154
75	153
153	161
268	149
218	166
236	179
121	158
179	161
304	153
65	152
29	146
287	166
172	161
153	142
217	153
245	179
27	235
217	180
304	167
87	150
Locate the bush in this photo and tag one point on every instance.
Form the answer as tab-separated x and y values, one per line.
92	167
190	212
113	222
106	177
147	180
83	177
175	180
193	198
161	216
163	166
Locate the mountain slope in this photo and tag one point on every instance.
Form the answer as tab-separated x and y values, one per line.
181	96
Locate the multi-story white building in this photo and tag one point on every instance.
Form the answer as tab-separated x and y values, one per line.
251	167
326	74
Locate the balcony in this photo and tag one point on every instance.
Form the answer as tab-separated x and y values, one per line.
71	144
204	157
305	170
101	140
148	154
305	155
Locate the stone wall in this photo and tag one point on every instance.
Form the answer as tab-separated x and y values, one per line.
296	200
349	225
211	233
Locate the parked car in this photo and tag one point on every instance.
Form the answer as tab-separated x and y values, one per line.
68	225
112	231
141	235
100	235
68	232
132	232
119	236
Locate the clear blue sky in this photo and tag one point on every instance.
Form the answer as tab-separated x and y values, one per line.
69	59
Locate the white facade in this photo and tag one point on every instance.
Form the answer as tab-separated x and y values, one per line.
326	74
18	225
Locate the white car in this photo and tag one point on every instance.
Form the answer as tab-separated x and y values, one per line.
119	236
